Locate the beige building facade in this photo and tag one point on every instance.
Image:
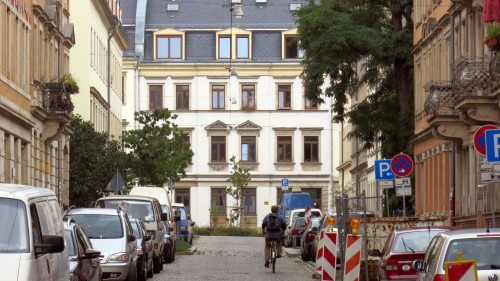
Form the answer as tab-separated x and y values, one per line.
97	63
456	92
35	39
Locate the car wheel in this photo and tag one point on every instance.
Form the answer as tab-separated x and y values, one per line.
303	256
156	264
173	252
168	256
132	273
150	271
161	262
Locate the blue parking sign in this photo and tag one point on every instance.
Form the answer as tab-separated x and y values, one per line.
383	170
492	138
284	182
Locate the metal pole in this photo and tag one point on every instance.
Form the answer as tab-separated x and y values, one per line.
493	208
365	237
387	201
404	206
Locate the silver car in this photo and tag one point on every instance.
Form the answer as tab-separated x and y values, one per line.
481	245
110	232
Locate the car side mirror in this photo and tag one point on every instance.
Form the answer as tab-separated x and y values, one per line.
375	253
164	217
51	244
418	265
91	254
192	223
131	238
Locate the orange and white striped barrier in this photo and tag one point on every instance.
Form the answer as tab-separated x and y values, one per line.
329	260
319	252
352	258
461	271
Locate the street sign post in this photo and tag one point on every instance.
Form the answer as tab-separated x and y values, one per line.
480	138
386	184
402	165
284	184
383	170
403	188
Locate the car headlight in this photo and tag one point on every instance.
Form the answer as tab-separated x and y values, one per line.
73	277
122	257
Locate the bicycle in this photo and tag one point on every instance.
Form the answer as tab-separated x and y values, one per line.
274	253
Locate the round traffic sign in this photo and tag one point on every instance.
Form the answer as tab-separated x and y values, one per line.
401	165
480	138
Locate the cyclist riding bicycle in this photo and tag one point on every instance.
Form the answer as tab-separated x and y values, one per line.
273	226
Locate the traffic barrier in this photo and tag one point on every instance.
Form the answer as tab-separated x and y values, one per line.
319	252
461	271
329	259
352	258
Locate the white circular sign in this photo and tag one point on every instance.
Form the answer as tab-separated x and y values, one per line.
406	267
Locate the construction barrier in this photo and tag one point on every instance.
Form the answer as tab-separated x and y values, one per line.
461	271
319	252
329	259
352	258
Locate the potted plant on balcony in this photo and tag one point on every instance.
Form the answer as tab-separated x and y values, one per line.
492	39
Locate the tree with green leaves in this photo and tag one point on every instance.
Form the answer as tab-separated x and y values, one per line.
158	150
239	179
339	36
94	159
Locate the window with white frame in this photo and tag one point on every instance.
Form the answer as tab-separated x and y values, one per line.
224	47
242	46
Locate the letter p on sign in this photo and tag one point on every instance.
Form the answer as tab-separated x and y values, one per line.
383	170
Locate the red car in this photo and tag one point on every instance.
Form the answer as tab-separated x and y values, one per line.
403	247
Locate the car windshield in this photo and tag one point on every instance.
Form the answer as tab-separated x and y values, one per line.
14	222
413	242
100	226
70	246
134	208
484	250
299	222
135	228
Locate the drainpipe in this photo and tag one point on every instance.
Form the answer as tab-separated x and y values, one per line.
111	33
453	149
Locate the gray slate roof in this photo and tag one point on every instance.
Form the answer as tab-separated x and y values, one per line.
267	20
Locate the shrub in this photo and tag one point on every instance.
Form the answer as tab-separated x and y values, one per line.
492	30
228	231
182	246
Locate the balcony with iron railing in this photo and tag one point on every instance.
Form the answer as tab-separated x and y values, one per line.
440	98
472	77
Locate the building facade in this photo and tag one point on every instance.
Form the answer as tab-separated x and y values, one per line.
236	88
456	92
97	63
35	40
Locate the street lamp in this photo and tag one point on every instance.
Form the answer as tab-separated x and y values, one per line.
236	12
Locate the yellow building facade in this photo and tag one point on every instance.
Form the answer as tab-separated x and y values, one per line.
456	92
35	39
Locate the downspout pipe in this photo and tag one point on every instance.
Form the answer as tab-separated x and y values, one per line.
453	150
111	32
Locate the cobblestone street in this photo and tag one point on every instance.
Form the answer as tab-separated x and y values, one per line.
233	258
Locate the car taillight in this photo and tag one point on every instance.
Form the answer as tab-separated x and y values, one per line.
311	236
295	231
391	265
439	277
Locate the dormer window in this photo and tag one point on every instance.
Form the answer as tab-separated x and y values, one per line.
234	45
168	47
169	44
292	47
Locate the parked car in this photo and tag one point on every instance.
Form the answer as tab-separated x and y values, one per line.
148	210
294	200
144	250
481	245
83	260
32	235
170	245
185	230
402	247
293	232
111	232
307	238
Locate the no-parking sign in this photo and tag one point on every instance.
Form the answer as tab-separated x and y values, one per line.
402	165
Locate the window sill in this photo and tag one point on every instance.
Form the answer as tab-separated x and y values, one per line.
284	166
249	165
311	166
218	166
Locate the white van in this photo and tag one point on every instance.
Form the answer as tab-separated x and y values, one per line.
32	243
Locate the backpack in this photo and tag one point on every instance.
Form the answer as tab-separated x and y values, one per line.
273	224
